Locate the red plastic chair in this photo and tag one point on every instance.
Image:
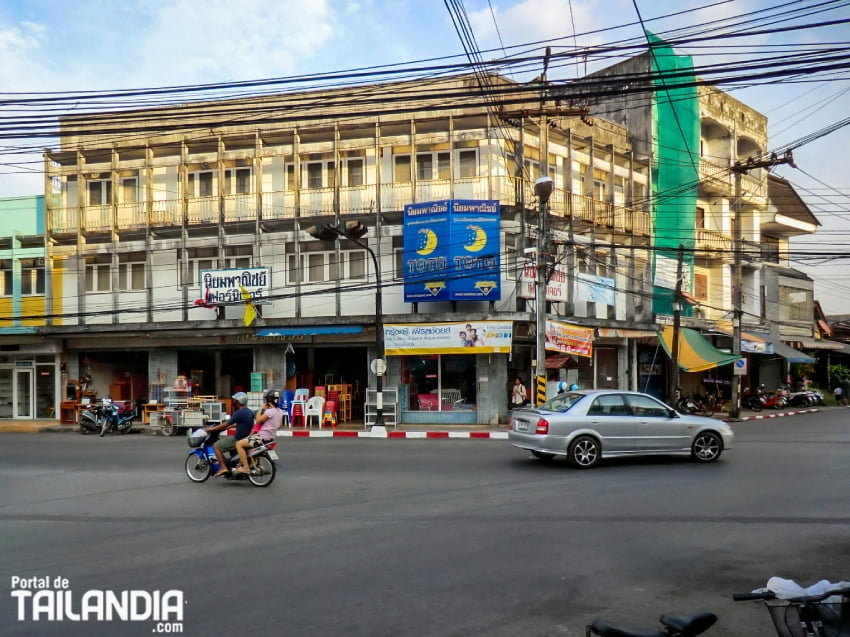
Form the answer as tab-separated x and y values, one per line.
298	419
329	414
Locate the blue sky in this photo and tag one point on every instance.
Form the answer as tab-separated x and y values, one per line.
71	45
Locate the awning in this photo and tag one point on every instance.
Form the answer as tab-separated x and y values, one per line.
695	353
620	332
560	360
788	353
815	343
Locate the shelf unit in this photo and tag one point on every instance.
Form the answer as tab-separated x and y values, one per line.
390	412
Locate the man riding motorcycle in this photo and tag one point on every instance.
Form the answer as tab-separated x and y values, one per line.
243	420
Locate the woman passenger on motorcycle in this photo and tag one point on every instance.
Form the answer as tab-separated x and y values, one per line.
269	421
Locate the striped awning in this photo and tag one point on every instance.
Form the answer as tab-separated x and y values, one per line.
696	354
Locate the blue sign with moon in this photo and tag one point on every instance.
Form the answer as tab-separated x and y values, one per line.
452	251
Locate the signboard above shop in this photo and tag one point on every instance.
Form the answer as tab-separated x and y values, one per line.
452	251
474	337
220	287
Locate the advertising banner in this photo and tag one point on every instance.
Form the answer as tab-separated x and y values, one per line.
452	251
225	286
569	339
556	286
475	337
595	289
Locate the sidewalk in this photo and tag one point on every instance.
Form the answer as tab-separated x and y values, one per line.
357	430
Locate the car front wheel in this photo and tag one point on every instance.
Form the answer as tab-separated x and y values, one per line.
706	447
584	452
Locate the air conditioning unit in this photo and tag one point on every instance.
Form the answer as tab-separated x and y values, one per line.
39	262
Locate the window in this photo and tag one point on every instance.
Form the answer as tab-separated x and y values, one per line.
355	172
314	175
237	181
97	273
6	274
236	257
197	259
131	271
201	184
100	192
321	267
467	164
402	169
795	304
645	407
608	406
32	276
424	166
701	286
700	217
129	190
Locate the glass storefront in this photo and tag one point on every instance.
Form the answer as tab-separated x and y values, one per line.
439	382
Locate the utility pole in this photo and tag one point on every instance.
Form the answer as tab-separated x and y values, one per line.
673	388
738	285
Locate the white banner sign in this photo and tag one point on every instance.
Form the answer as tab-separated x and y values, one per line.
225	286
475	337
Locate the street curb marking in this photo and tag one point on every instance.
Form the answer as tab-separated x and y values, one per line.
780	414
411	435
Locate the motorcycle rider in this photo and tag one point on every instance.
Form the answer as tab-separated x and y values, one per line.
243	420
268	422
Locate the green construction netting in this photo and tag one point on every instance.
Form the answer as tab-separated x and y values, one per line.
675	171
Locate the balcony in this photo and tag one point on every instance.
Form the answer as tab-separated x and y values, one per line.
714	242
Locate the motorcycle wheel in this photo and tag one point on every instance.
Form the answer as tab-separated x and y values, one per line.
263	472
167	427
83	429
198	469
754	404
125	429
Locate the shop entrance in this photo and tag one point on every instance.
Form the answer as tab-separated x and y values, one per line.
16	392
217	372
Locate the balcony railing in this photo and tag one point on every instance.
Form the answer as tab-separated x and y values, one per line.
280	205
713	241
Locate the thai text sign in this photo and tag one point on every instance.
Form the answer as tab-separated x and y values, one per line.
223	286
452	251
475	337
569	339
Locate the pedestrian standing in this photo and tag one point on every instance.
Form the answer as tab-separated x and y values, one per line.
519	398
837	394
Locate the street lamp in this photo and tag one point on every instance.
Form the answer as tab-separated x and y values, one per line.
354	231
543	188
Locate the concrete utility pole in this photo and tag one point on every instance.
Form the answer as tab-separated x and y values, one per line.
738	285
673	389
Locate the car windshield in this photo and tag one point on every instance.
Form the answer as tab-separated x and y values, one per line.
561	402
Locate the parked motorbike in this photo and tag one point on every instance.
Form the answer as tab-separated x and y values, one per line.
775	400
753	399
91	419
201	462
116	418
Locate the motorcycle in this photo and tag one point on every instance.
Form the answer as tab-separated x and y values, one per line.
91	419
753	399
116	418
201	462
775	400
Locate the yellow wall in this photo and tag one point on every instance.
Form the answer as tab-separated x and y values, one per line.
33	306
6	312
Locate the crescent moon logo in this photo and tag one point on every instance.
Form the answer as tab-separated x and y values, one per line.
427	242
476	239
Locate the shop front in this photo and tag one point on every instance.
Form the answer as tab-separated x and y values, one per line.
28	380
451	373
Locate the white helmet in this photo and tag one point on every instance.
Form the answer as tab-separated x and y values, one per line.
240	397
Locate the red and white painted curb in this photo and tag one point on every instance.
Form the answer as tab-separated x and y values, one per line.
407	435
780	414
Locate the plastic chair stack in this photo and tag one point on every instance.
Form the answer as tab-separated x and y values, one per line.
297	418
314	408
329	414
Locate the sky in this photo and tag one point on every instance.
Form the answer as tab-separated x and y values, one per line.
74	45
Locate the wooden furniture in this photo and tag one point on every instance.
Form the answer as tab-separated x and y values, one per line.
68	412
149	409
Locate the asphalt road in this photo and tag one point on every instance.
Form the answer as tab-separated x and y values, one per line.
423	537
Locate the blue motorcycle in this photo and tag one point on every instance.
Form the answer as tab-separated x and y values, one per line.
117	418
201	462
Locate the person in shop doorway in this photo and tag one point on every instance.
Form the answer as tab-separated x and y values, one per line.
243	420
519	397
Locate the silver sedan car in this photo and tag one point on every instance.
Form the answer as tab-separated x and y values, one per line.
586	426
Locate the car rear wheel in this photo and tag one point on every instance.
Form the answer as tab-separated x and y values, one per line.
542	455
584	452
707	447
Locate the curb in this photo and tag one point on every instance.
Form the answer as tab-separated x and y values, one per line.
401	435
779	414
